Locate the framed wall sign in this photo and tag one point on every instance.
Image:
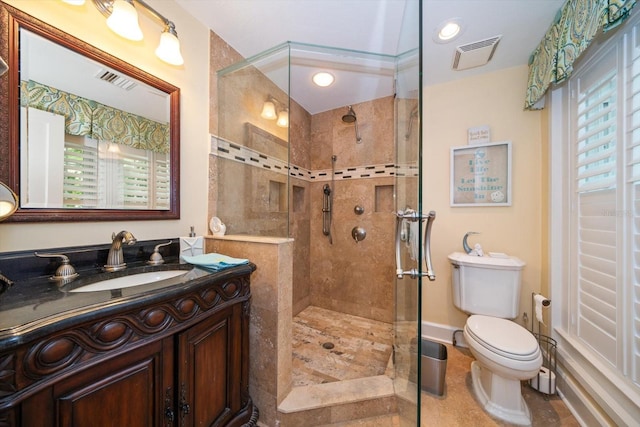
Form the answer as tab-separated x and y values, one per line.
481	175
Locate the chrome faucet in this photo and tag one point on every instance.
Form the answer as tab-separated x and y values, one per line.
115	259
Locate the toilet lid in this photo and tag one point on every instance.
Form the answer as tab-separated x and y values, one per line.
503	337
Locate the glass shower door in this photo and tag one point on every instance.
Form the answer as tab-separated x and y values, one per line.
409	226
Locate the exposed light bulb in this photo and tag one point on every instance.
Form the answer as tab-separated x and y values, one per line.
124	20
74	2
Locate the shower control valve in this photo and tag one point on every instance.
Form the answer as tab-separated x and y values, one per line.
358	234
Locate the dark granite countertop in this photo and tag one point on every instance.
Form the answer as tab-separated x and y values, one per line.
35	307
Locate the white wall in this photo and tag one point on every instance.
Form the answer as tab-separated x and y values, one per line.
86	23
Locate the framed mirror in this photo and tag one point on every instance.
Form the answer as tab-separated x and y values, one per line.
84	136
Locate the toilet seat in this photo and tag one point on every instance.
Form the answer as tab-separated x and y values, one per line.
503	337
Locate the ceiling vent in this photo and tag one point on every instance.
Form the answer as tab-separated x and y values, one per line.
116	79
475	54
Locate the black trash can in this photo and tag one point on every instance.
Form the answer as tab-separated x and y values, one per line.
433	365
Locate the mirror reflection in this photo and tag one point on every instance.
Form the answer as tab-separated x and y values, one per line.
8	201
87	136
91	137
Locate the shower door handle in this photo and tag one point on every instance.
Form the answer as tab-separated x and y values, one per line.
411	215
431	216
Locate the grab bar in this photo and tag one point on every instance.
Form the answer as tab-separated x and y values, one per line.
411	215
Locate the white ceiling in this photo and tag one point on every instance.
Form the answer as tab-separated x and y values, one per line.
254	26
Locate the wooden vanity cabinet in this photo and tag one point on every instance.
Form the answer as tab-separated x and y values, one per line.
196	375
124	391
208	368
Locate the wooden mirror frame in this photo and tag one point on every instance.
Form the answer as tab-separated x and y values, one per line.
11	20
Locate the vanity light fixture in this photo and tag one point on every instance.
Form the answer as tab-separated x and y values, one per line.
169	48
269	110
122	18
283	118
323	78
272	109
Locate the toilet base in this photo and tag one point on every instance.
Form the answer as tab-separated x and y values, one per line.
501	397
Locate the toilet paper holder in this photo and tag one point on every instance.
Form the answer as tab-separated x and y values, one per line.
545	380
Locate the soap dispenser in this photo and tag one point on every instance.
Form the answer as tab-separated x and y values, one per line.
191	246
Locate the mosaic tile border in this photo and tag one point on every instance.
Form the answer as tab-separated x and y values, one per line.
225	149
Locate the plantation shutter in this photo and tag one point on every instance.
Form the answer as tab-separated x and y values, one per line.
139	179
99	174
606	171
80	187
136	179
631	211
162	179
595	203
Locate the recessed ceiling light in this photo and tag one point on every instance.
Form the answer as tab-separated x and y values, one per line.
323	78
448	30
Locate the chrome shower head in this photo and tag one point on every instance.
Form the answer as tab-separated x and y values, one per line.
350	117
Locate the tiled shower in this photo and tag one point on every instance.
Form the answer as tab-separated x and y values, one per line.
268	181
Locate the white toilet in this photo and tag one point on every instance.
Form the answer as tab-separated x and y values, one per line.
488	288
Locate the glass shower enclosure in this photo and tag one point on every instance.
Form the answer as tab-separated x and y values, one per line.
331	169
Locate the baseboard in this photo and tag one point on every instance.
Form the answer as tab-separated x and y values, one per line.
578	402
597	396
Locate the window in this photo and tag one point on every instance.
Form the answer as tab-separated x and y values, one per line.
99	174
593	151
595	219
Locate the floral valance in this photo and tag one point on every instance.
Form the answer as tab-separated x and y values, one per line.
575	26
86	117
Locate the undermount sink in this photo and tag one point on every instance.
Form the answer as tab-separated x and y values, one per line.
130	281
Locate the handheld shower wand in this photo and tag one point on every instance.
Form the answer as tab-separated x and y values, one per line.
327	202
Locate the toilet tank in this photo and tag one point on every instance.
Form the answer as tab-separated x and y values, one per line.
488	285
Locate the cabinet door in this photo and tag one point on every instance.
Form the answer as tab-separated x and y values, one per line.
129	390
209	361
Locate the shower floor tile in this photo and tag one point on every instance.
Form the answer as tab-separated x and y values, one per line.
329	346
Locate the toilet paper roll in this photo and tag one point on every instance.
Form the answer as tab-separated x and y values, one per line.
540	302
544	382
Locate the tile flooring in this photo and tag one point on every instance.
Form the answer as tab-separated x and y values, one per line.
458	406
330	346
362	348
